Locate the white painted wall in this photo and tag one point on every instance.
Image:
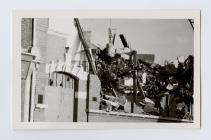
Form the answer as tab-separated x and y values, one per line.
59	103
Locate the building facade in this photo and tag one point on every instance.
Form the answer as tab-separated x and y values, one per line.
50	92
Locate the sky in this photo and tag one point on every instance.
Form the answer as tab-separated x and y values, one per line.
166	38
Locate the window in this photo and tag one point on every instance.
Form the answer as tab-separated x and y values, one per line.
40	99
94	99
60	79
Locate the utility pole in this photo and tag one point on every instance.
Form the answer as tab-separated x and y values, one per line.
134	53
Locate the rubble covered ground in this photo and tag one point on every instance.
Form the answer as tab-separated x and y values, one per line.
165	91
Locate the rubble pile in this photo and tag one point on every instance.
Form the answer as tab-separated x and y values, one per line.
161	90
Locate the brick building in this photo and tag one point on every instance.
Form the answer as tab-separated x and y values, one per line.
33	46
51	96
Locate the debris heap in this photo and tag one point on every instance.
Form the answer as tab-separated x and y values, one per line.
161	90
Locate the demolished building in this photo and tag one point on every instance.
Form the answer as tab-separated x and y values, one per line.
79	82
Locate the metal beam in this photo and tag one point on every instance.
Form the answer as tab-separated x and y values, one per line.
124	41
191	23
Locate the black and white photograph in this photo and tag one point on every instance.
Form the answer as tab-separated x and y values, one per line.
107	69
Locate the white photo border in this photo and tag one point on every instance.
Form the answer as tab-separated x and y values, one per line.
126	14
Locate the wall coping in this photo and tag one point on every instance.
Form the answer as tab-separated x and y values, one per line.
138	115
